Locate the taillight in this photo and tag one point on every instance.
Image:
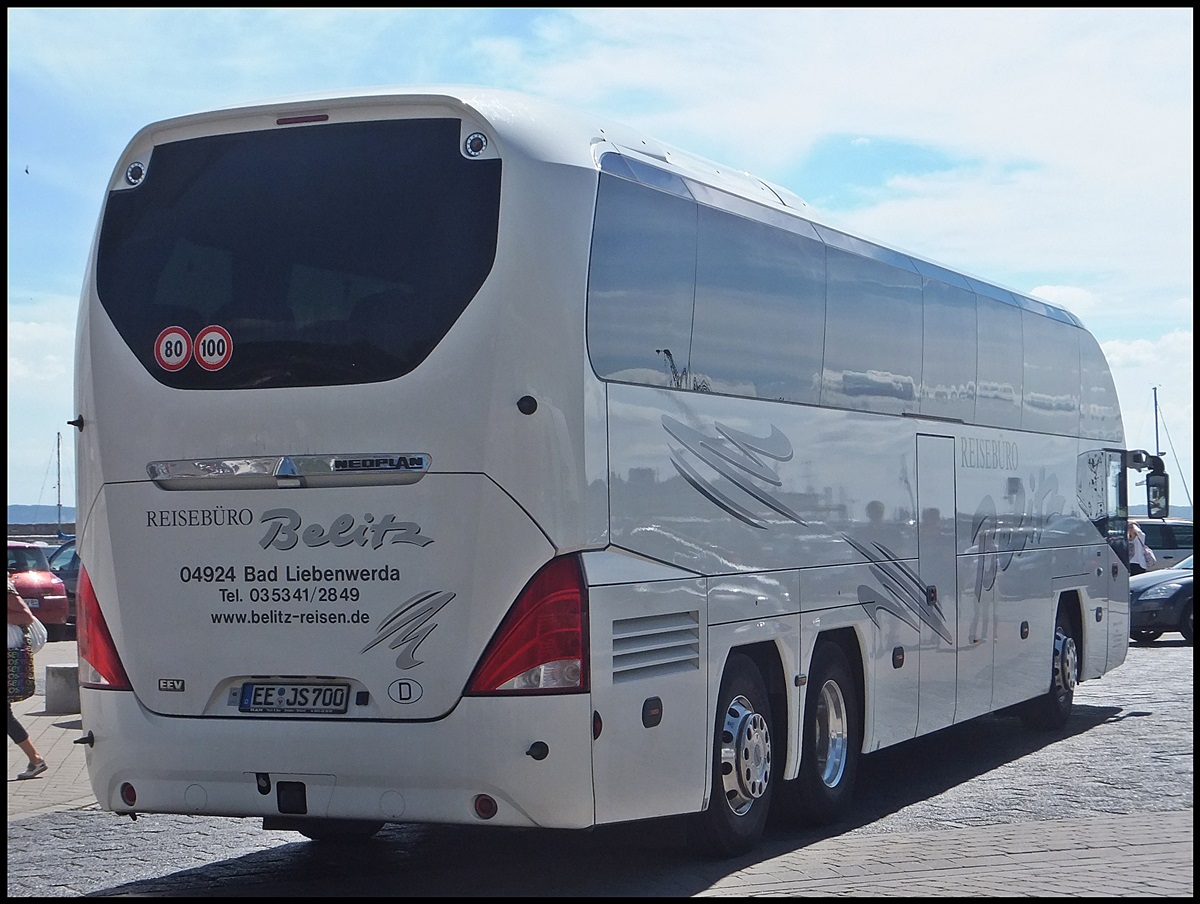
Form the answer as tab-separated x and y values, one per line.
100	666
541	646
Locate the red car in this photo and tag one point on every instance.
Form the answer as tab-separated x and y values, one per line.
43	590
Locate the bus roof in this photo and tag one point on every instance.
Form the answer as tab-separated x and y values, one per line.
556	133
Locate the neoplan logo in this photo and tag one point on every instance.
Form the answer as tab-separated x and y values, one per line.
382	463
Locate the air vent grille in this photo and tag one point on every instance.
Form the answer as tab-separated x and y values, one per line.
654	645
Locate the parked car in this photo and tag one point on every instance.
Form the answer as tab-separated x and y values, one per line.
1169	538
1161	601
64	562
43	590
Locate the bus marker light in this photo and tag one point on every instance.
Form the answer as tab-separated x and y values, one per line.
295	120
652	712
485	806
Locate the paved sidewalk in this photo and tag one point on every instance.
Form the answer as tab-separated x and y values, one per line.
1139	855
1146	854
65	785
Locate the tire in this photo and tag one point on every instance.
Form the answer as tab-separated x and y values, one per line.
743	772
1145	635
336	830
1185	623
1051	710
832	742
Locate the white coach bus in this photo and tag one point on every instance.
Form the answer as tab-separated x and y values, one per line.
449	457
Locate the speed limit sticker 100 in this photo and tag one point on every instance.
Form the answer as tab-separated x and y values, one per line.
214	347
173	348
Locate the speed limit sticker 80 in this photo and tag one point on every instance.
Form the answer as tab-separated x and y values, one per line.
173	348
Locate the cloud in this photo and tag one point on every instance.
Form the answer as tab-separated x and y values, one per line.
1142	366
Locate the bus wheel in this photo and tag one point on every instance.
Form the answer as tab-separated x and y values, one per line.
1050	711
742	772
338	829
829	752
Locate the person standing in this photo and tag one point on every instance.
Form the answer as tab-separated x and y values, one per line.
1138	562
20	615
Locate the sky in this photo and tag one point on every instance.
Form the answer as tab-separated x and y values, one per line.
1047	150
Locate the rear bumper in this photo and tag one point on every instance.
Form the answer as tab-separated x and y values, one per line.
416	772
52	610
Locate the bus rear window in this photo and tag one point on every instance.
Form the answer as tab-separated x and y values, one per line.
318	255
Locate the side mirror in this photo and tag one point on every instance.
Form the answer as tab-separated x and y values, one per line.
1158	503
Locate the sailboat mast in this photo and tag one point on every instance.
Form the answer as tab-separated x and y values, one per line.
59	481
1157	447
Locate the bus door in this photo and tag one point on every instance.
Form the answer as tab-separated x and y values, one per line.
1103	494
937	546
1112	558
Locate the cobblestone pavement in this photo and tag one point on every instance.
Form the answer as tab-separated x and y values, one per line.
981	809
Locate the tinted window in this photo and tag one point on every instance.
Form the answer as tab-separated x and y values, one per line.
641	284
692	288
60	556
760	309
861	247
330	253
64	559
998	387
27	558
1167	535
872	335
1099	409
1181	536
1051	376
1157	535
948	351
